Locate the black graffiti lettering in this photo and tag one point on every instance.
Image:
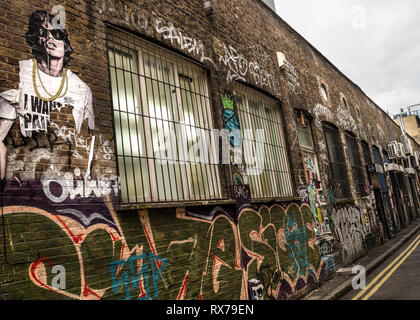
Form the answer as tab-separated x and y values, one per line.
45	107
35	122
44	123
46	141
36	104
28	120
52	106
25	106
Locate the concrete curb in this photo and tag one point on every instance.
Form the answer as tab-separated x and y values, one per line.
346	286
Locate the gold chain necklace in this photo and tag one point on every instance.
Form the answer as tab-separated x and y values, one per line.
45	89
64	79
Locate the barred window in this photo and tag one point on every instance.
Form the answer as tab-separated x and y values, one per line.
345	103
366	153
304	133
356	164
336	161
324	92
378	160
161	110
376	155
261	114
307	147
386	158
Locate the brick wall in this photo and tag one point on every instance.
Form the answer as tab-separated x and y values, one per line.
53	216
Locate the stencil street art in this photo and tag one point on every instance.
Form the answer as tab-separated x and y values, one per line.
46	86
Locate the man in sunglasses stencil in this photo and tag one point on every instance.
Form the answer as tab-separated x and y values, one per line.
46	85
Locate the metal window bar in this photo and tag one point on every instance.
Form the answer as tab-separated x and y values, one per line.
161	108
337	162
257	111
386	158
304	134
366	153
376	155
306	143
381	176
356	164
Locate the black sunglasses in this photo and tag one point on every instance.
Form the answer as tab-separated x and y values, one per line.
56	33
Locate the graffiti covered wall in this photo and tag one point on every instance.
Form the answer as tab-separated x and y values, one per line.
59	181
198	253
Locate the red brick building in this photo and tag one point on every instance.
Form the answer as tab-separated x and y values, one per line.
206	152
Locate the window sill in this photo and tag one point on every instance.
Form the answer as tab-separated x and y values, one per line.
363	196
344	200
179	204
275	200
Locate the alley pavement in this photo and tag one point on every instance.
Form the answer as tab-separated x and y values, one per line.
392	272
396	279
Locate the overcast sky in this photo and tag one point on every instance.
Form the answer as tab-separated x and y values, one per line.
375	43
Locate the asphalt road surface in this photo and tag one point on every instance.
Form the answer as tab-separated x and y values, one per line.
398	278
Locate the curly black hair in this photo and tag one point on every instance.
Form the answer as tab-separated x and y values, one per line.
36	20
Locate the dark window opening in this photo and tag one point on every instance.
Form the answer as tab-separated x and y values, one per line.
162	108
356	164
336	161
366	152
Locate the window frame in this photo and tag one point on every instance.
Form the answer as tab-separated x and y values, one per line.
208	191
366	152
356	168
305	149
324	91
345	104
338	146
285	177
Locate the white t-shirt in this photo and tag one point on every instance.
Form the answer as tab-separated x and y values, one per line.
34	113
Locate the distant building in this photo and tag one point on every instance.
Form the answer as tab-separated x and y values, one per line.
270	3
411	120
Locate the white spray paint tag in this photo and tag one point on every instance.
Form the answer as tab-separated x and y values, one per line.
92	146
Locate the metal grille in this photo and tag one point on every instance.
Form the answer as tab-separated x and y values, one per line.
378	160
304	134
366	153
376	155
306	144
259	113
337	162
356	164
386	158
161	111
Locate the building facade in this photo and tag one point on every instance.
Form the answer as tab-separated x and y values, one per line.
175	150
410	122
